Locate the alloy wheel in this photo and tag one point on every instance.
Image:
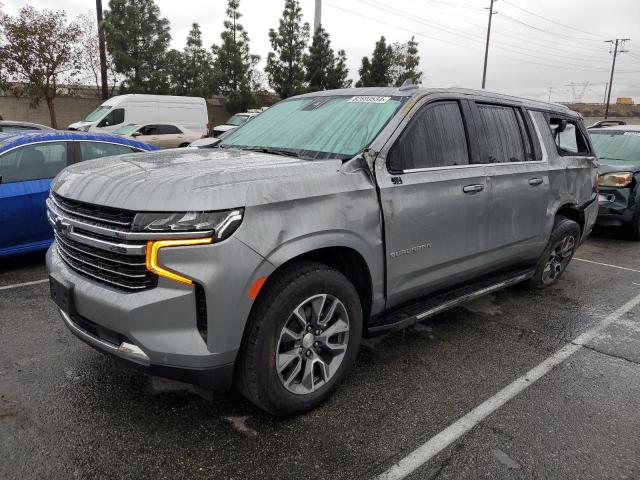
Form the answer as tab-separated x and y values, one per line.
558	259
312	344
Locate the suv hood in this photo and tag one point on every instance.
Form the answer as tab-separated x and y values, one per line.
609	166
189	179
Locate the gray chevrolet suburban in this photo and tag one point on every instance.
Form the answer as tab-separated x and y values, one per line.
262	262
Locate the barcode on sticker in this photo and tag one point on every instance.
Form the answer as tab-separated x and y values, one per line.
368	99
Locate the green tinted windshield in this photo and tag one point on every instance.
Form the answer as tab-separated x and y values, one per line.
97	114
237	120
126	130
317	127
618	146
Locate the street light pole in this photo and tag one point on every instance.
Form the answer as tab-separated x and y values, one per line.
486	49
103	54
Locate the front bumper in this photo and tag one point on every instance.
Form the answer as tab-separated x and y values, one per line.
617	207
156	329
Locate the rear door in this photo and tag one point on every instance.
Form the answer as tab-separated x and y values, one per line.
518	179
26	179
434	201
170	136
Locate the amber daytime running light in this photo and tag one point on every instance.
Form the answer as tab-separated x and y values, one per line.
219	224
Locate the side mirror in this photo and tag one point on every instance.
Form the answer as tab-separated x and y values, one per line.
136	134
562	126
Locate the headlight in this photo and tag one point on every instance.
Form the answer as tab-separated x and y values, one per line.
617	179
221	224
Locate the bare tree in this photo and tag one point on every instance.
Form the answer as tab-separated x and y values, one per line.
38	54
90	56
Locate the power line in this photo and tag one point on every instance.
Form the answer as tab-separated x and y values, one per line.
550	20
467	36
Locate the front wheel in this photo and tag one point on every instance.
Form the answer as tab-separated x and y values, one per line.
558	253
302	338
633	228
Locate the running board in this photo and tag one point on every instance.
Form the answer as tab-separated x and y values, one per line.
406	315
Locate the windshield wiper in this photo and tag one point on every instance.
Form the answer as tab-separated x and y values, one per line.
273	151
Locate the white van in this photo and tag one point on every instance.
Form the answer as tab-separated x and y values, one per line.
189	112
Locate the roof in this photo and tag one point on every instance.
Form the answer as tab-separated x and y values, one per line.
15	139
17	123
617	128
418	91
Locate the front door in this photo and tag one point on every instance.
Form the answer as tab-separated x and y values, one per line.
26	179
435	202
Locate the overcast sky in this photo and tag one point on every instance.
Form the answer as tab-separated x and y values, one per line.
528	53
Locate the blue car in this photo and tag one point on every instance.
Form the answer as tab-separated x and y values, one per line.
28	163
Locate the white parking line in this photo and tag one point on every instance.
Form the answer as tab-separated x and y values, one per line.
606	265
25	284
453	432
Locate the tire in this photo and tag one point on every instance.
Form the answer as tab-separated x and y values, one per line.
182	145
557	254
299	287
633	228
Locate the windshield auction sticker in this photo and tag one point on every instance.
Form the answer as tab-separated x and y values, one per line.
633	134
368	99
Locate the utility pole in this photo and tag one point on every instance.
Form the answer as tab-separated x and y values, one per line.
318	14
618	42
550	90
486	49
103	53
606	89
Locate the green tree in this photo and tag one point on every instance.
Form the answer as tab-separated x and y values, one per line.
38	54
405	63
190	71
338	76
234	64
377	71
285	67
324	71
138	38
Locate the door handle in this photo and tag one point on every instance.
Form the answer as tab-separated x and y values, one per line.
535	181
473	188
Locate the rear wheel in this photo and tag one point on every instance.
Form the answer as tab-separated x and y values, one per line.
558	253
301	340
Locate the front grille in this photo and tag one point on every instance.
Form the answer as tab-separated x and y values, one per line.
99	242
94	241
95	214
127	272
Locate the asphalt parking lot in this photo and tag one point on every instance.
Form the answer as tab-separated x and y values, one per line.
67	411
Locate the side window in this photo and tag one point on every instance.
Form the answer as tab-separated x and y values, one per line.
89	150
168	130
568	137
435	137
33	162
114	117
502	134
149	130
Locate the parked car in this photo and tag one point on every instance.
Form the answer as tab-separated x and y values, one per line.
8	126
235	121
618	148
331	215
190	112
166	135
28	162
